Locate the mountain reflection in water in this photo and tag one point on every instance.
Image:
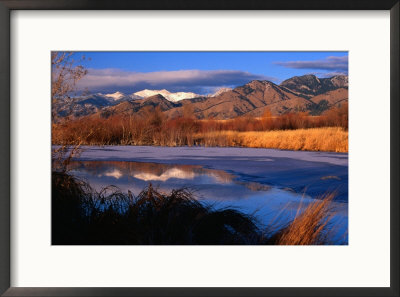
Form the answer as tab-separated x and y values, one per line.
134	176
217	187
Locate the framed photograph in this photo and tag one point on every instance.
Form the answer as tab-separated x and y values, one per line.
196	149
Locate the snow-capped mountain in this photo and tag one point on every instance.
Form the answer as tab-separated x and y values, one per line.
88	104
300	93
121	96
116	96
174	97
219	92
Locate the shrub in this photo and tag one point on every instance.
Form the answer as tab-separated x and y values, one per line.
151	127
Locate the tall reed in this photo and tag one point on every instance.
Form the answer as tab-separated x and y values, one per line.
81	215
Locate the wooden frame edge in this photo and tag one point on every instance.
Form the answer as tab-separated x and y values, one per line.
7	6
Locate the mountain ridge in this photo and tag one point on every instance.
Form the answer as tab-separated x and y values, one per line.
299	93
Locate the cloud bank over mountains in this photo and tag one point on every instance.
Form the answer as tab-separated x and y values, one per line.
198	81
337	65
109	80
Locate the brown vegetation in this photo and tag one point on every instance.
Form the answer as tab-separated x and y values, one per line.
152	127
308	225
328	139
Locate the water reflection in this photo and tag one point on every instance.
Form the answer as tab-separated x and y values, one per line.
127	174
134	176
218	187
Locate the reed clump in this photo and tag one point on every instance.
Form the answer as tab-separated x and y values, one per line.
309	225
82	216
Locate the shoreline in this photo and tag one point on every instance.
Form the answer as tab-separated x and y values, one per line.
193	146
299	170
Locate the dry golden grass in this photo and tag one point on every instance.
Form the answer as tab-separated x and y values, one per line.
332	139
307	227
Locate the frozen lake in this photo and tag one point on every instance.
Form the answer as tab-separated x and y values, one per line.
270	184
311	172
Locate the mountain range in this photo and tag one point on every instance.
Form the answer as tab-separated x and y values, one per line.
299	93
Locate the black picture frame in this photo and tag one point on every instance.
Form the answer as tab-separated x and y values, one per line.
7	6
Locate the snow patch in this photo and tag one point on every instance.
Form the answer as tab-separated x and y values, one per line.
174	97
116	96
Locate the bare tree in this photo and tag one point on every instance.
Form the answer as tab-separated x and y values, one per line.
66	71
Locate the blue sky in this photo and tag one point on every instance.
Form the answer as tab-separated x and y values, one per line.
201	72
